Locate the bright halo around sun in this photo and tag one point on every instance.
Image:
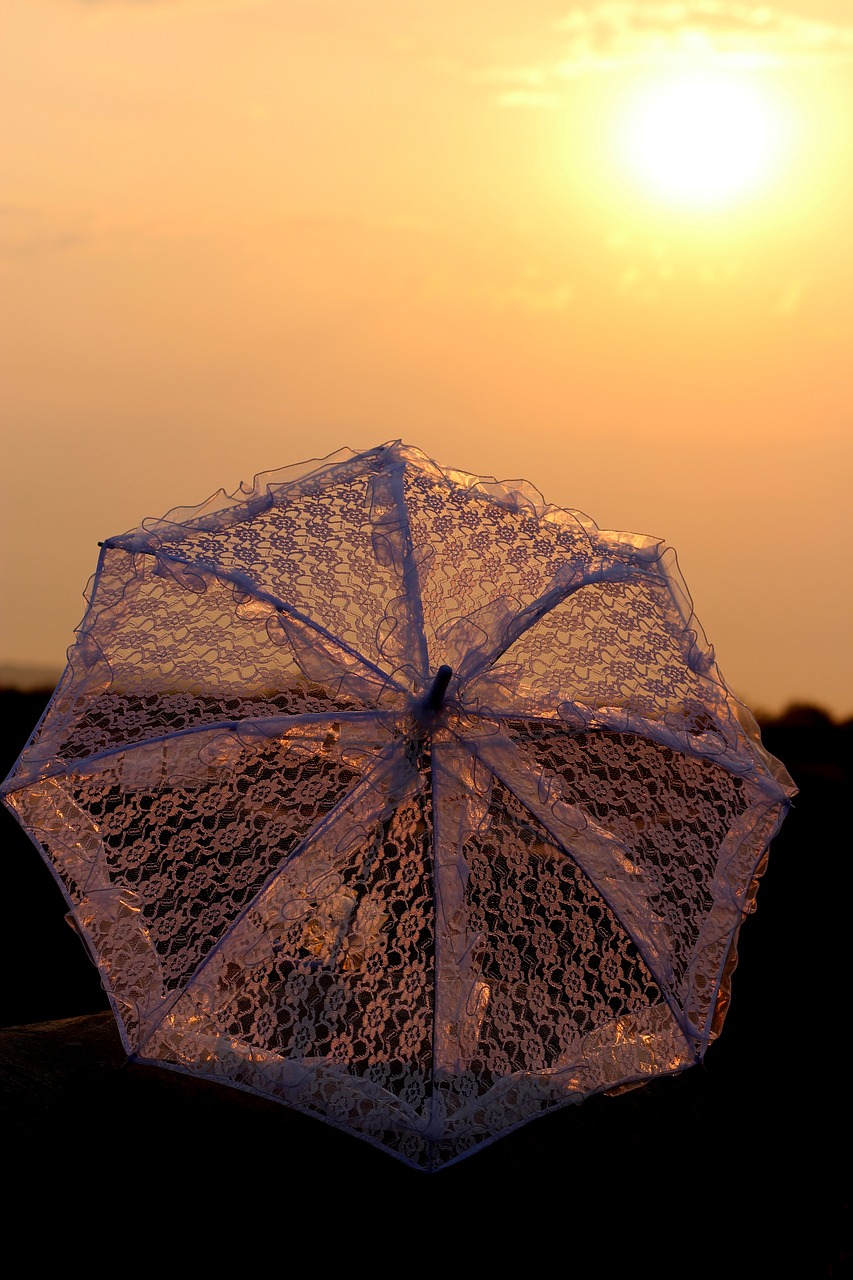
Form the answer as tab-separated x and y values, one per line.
702	140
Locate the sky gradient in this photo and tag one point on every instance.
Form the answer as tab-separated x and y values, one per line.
238	235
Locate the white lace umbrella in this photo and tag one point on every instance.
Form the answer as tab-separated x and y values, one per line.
400	796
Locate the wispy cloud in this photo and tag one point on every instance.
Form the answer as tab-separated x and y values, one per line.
153	6
29	233
623	34
620	35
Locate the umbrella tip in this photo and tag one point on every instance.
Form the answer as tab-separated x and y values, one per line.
435	697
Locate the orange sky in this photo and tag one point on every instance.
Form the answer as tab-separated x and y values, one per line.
240	234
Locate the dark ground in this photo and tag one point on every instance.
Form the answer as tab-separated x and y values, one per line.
739	1166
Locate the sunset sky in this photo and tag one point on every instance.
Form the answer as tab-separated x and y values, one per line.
607	248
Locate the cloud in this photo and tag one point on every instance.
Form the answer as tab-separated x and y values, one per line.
28	233
151	6
621	35
789	300
529	98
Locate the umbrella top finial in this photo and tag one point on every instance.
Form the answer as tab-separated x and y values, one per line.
434	699
426	709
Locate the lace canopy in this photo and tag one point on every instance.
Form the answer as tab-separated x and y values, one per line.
400	796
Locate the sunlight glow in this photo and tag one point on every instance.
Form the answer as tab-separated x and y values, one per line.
701	139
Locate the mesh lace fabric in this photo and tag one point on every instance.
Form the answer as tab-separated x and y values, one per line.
424	931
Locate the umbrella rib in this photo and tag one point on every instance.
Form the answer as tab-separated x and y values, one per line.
528	617
622	721
370	780
664	983
438	949
411	579
242	580
77	763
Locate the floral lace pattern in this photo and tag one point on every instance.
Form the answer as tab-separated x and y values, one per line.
199	853
671	812
402	797
614	644
113	718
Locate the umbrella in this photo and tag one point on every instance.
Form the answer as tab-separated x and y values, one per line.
403	797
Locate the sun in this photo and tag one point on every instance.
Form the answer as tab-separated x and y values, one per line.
701	140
